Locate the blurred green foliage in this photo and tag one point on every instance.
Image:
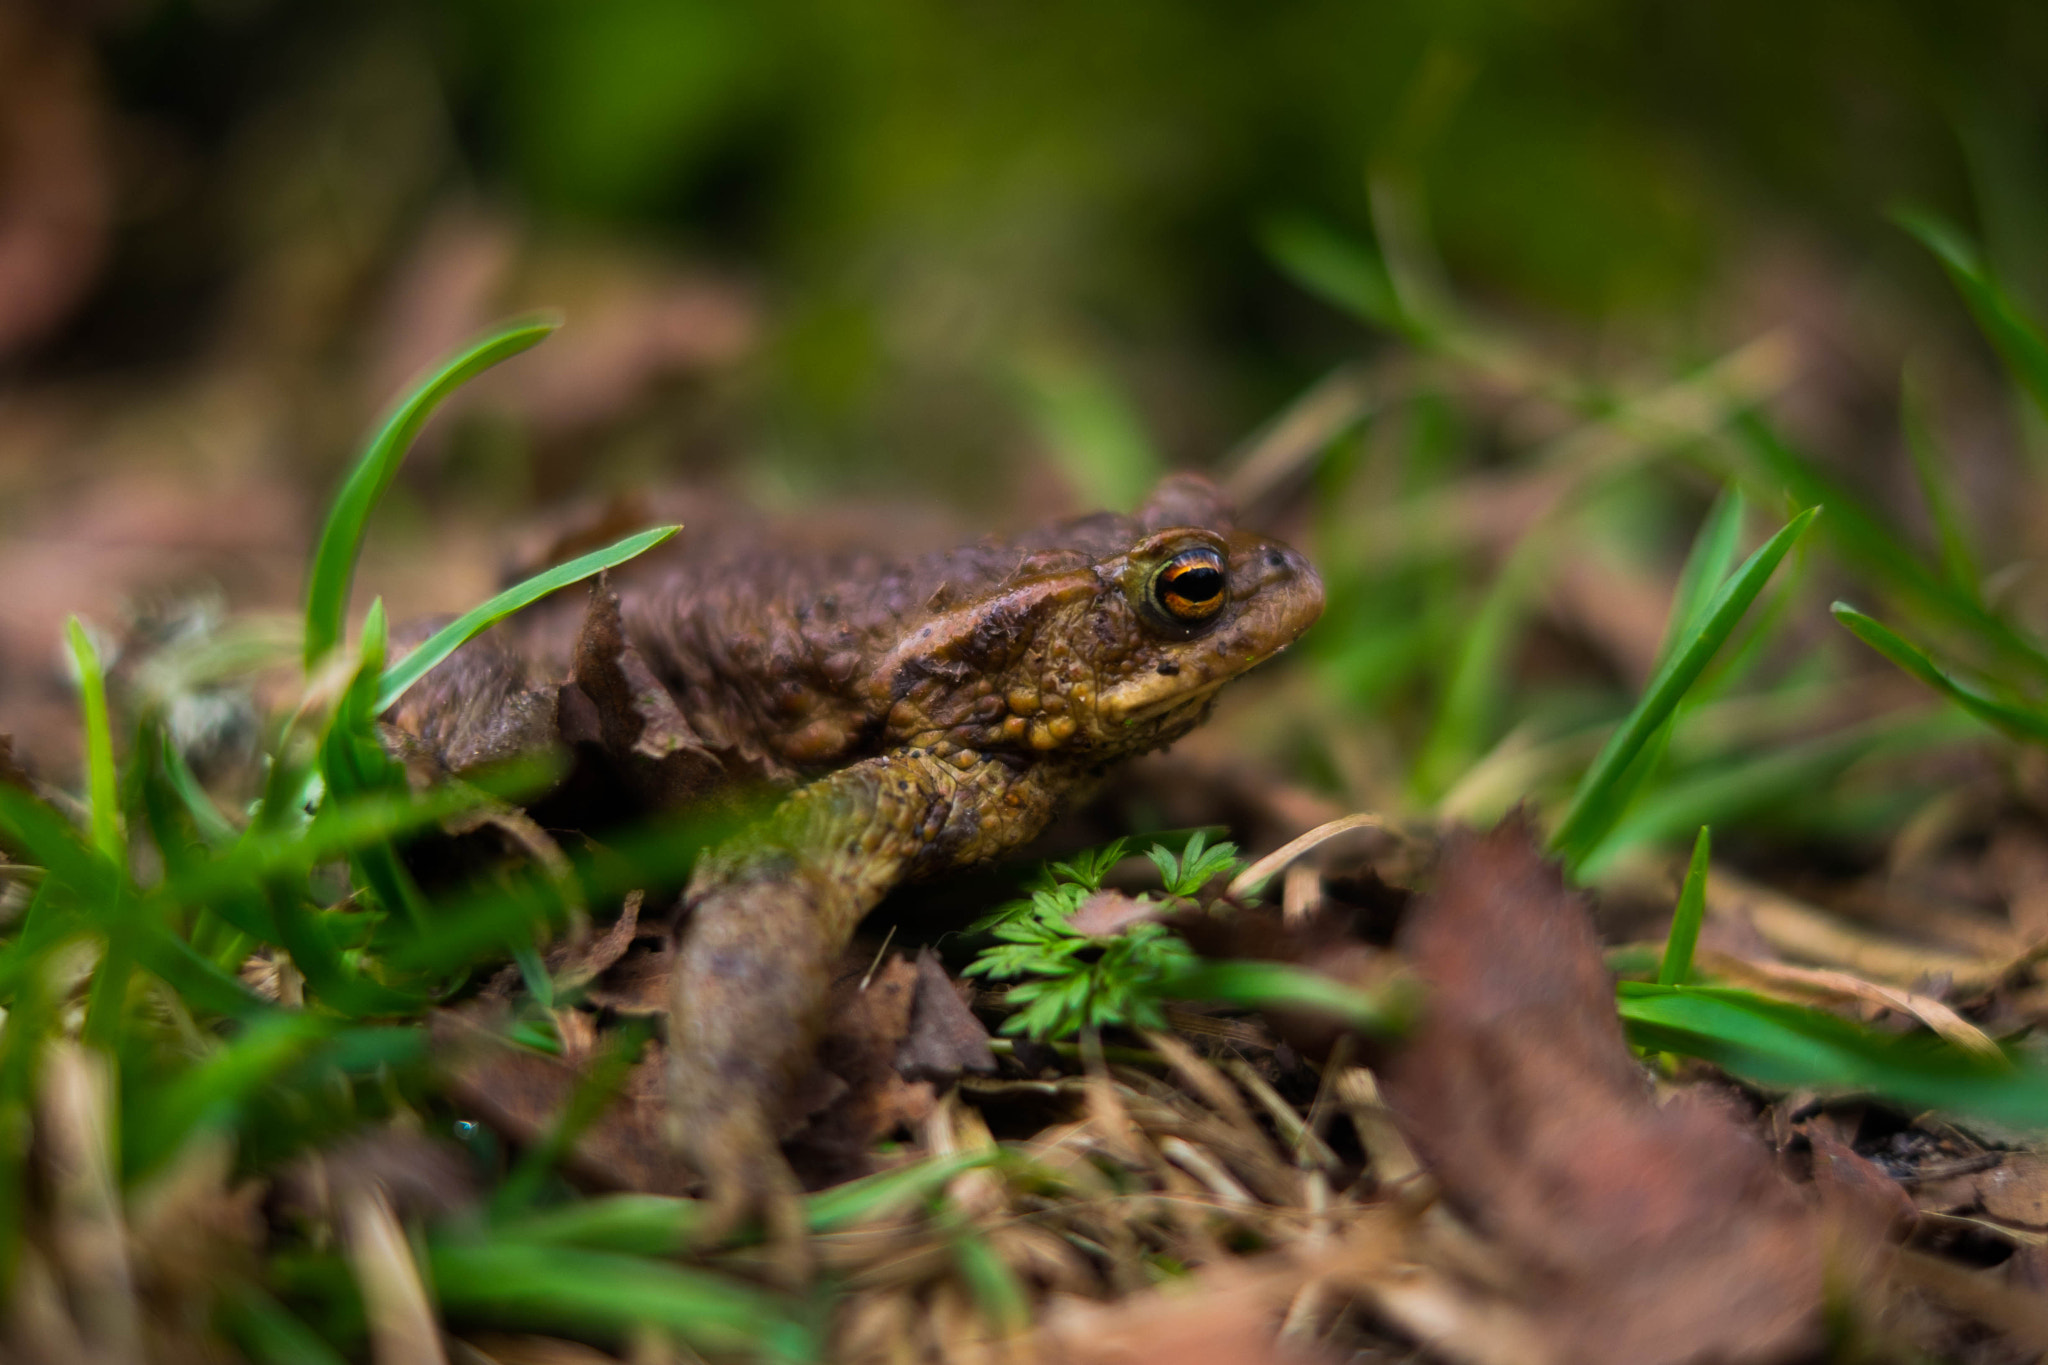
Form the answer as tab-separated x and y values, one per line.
933	189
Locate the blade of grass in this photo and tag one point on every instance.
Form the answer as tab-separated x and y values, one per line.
1588	817
56	847
1876	548
1685	920
451	637
1779	1044
353	761
107	999
158	1122
990	1282
102	784
662	1225
508	1284
1092	430
2023	722
1478	673
1339	269
1937	487
270	1334
334	559
1382	1012
1707	564
1776	778
2014	335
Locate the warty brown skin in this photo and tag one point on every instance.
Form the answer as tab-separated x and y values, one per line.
925	715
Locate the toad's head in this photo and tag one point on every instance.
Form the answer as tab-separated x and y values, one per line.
1110	636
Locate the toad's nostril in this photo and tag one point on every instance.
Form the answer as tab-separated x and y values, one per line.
1275	560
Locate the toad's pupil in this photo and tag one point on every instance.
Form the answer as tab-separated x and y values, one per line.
1191	587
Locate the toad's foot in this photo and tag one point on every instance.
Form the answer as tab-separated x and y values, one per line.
745	1177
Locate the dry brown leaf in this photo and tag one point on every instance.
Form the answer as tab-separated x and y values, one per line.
1644	1234
855	1093
945	1037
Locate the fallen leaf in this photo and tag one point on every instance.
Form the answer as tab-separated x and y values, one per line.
1642	1233
864	1097
945	1037
520	1093
637	725
1109	913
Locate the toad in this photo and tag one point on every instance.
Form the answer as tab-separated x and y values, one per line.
921	714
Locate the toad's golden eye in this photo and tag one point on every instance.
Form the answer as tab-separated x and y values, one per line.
1190	587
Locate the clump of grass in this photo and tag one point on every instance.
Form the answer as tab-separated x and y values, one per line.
199	1056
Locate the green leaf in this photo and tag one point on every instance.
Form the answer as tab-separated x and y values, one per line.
1092	430
1478	674
1774	778
1685	920
56	847
102	783
1706	566
353	761
1777	1044
341	539
2024	722
565	1288
1589	816
1878	549
1339	269
2015	336
1264	985
270	1334
211	1094
474	622
991	1283
1937	487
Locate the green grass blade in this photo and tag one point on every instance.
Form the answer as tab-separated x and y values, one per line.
341	539
1773	779
48	839
474	622
1478	675
594	1090
1937	487
557	1288
1261	985
2014	335
102	783
878	1196
1878	549
197	979
353	761
662	1225
993	1286
159	1121
1589	815
1778	1044
1706	566
1338	269
1092	430
1685	921
270	1334
2023	722
212	826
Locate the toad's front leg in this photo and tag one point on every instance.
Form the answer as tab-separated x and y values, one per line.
770	912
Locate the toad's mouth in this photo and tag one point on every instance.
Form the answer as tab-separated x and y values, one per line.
1167	705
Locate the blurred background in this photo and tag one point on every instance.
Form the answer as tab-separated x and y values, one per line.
1013	259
